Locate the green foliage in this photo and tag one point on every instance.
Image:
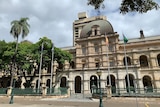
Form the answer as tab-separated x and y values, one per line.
7	56
20	27
141	6
61	56
29	53
96	3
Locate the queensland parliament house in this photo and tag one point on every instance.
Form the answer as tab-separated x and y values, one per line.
121	66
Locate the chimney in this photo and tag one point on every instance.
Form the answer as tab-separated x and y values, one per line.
141	34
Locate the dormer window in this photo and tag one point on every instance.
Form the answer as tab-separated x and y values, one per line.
95	30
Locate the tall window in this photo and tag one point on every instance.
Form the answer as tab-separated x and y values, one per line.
128	61
96	48
97	64
84	64
143	61
84	50
95	30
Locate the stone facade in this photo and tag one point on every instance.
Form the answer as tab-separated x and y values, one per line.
92	53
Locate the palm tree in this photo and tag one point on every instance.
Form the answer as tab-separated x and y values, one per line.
18	27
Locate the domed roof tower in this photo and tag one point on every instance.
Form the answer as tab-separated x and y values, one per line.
103	26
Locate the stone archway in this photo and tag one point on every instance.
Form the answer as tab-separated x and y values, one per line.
131	82
93	82
63	82
77	84
113	83
147	83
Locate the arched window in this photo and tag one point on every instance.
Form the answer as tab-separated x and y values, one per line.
111	79
84	63
147	83
97	62
130	83
95	30
158	59
63	82
143	61
128	61
93	82
72	65
77	84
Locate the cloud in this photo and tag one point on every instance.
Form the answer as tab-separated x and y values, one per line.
54	19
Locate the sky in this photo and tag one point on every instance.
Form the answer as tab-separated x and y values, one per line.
54	19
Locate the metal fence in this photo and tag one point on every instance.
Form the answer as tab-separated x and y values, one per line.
125	92
30	91
3	90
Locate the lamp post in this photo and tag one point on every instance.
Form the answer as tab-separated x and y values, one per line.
51	82
100	92
12	93
40	67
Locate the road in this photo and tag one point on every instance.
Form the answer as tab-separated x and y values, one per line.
69	102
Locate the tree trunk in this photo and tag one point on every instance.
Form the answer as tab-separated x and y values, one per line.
13	66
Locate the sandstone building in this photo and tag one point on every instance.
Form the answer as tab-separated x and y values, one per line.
91	53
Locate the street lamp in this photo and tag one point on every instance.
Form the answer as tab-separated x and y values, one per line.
99	73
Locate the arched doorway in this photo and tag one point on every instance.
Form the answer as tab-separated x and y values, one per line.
113	83
131	82
77	84
93	82
147	83
63	82
48	83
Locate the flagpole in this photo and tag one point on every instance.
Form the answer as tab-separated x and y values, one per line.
52	69
126	67
107	44
40	67
108	67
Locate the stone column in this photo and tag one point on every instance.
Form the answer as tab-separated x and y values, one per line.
156	80
9	91
66	65
44	90
109	92
43	82
153	59
55	65
22	84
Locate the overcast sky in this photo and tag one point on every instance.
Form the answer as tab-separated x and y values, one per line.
54	19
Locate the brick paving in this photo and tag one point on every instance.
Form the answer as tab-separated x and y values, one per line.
70	102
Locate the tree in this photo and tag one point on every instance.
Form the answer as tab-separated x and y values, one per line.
141	6
18	27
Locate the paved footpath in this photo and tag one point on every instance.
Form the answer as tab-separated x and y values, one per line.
70	102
